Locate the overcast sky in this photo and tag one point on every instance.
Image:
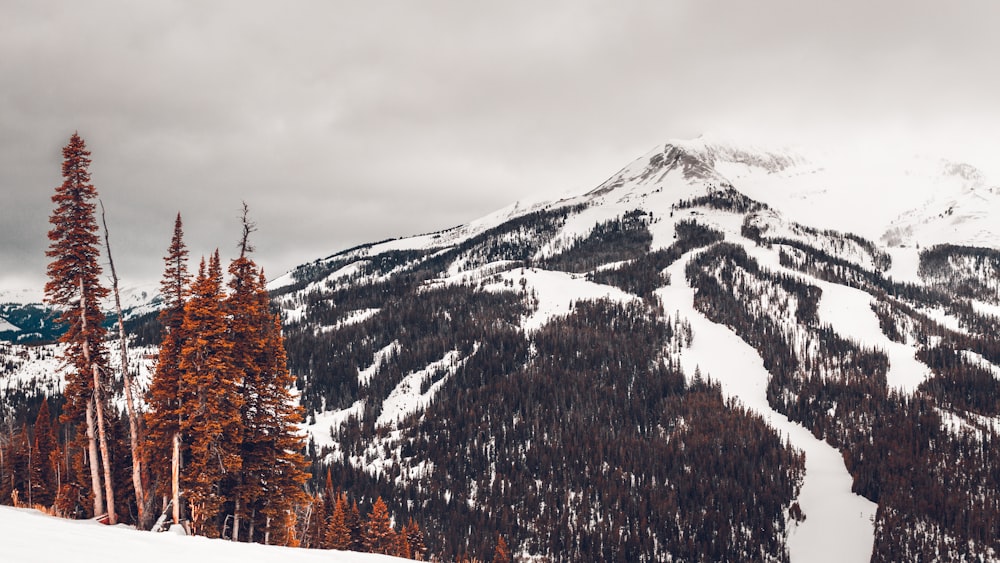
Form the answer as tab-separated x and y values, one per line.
346	122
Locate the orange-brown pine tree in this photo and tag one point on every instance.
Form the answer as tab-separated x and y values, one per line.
379	535
329	504
74	287
415	539
163	416
338	533
18	464
211	402
273	473
402	547
502	553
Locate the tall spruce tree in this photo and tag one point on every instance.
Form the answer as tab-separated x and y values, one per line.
276	432
211	403
415	538
379	535
273	472
338	534
163	418
74	287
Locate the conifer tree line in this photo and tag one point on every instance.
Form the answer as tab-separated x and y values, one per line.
333	520
213	444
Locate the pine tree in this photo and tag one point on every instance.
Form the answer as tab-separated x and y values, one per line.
379	535
402	546
338	533
273	473
163	417
6	468
415	539
210	406
74	286
355	525
47	453
19	464
330	497
502	553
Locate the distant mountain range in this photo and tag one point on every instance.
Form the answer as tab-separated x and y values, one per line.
720	353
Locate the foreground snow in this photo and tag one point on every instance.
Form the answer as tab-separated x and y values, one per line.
30	536
839	525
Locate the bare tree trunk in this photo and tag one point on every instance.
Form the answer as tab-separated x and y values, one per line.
98	402
135	427
175	474
95	473
236	521
109	484
30	501
253	518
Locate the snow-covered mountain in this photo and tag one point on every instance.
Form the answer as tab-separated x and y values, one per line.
788	317
709	356
962	213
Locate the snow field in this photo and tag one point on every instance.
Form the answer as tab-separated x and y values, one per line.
32	537
406	398
557	291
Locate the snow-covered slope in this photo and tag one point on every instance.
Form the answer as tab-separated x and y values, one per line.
967	218
21	296
31	537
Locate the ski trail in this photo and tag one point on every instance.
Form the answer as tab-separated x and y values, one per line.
839	525
848	311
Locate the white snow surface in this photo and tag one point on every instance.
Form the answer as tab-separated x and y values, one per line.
22	296
29	536
849	312
365	375
839	525
34	367
328	423
6	326
406	398
557	292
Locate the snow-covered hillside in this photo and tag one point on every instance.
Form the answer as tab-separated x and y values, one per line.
811	276
29	536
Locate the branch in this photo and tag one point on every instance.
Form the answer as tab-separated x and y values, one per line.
248	227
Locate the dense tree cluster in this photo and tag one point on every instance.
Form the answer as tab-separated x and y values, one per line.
971	272
220	399
833	246
579	425
332	520
644	274
623	238
220	440
725	198
36	324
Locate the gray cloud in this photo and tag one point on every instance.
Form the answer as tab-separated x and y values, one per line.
346	122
